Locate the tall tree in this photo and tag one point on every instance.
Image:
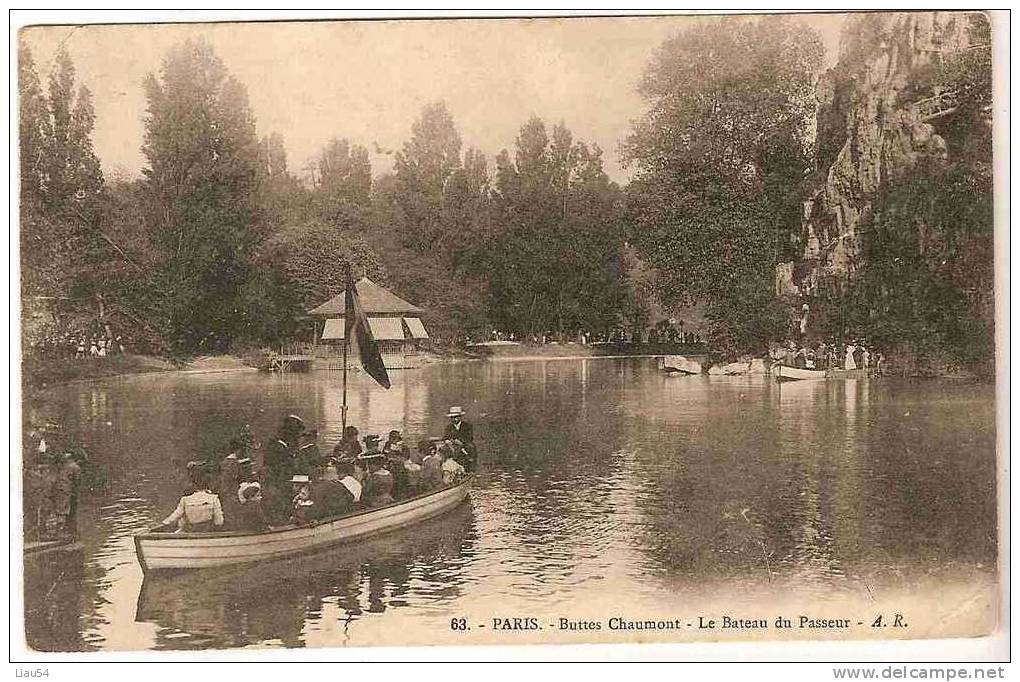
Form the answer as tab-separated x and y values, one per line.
343	181
71	168
422	168
33	126
556	262
720	156
282	200
202	178
61	181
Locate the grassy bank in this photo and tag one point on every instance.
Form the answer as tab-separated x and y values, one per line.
39	371
42	371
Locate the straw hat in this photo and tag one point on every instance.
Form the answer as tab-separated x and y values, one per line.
248	491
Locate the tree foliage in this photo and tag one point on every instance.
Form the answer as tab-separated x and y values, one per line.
343	181
720	157
421	169
61	184
202	179
555	263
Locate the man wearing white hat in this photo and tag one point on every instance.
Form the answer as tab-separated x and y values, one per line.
460	430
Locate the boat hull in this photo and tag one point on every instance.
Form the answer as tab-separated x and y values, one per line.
175	551
784	373
795	373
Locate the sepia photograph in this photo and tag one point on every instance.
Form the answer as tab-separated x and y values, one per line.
340	333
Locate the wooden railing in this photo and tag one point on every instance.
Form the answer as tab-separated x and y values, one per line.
318	350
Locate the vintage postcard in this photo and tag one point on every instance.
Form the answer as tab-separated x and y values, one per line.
501	331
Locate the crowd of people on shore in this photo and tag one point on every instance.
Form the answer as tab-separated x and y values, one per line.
81	344
661	333
297	484
821	356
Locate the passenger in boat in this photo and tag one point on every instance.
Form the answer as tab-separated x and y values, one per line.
346	471
227	486
460	430
307	460
394	442
378	485
194	468
348	448
250	514
424	449
432	467
302	504
453	470
198	512
276	498
413	470
406	474
328	470
331	498
279	458
371	445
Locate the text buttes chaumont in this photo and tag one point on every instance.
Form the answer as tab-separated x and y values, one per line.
699	623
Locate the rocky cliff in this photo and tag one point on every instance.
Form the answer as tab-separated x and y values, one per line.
878	112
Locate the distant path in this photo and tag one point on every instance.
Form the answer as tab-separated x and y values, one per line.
504	350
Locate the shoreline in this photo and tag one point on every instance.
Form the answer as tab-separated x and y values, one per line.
89	369
141	365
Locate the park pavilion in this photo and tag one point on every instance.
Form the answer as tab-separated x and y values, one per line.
395	323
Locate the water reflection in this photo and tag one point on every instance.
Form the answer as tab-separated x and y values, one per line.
600	479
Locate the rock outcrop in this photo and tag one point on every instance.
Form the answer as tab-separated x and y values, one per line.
678	364
874	122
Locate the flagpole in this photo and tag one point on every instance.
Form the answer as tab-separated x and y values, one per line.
347	341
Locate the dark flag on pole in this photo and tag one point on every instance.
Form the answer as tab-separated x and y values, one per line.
356	328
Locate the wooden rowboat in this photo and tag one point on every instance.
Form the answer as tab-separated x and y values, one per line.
782	372
169	551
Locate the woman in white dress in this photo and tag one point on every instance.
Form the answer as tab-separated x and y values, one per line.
850	363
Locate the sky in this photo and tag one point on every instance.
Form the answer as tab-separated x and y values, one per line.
368	80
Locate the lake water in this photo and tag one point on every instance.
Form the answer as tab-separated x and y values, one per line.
605	487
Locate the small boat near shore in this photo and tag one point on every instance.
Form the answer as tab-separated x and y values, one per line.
784	373
176	551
